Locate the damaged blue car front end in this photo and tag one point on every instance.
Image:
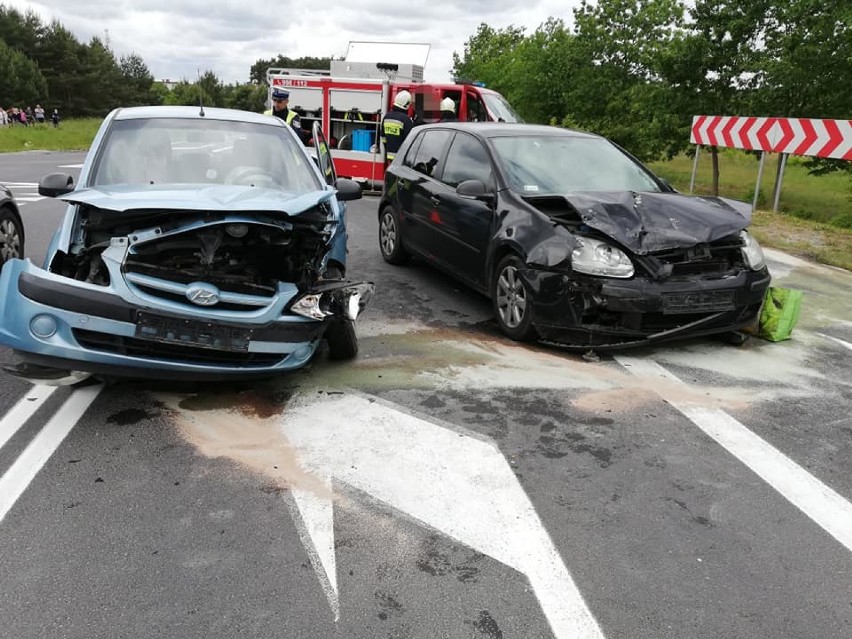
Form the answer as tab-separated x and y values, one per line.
196	279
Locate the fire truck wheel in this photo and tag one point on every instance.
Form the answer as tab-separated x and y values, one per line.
390	238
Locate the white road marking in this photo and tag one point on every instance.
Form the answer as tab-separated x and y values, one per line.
816	500
35	455
71	166
451	482
23	410
21	185
317	534
836	339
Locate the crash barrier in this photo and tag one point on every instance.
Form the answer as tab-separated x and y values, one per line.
779	314
787	136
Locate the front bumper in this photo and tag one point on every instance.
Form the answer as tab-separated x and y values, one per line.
52	321
585	311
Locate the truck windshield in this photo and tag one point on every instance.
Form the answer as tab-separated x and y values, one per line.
499	108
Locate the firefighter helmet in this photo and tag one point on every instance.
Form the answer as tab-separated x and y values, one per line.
402	99
447	104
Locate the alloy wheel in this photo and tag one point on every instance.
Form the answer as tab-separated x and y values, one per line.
511	297
10	240
387	234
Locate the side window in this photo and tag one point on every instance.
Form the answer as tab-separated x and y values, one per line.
476	111
431	152
467	160
412	152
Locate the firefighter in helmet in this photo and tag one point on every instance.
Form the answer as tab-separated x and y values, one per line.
281	109
396	125
448	110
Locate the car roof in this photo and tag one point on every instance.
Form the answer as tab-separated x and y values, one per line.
509	129
194	113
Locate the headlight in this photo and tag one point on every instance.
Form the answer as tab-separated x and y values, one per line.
599	258
752	253
311	306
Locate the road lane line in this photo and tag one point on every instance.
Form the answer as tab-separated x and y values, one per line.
15	481
816	500
836	339
23	410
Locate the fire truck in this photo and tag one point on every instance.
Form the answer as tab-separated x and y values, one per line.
350	99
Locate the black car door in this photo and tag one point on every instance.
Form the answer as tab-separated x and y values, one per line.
460	226
426	163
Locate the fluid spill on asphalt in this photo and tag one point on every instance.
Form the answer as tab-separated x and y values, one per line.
241	427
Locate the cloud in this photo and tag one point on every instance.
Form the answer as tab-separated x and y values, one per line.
176	38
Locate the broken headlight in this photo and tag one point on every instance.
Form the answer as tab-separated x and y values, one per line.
752	253
599	258
347	301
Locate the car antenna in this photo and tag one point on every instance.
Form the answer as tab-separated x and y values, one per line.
200	94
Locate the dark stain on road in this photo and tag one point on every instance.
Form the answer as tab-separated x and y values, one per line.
557	447
487	626
698	519
261	402
433	401
129	416
438	561
388	604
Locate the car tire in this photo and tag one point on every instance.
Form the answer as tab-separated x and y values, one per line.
11	235
341	339
390	238
512	300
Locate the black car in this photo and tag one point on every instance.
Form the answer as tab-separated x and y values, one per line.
11	228
574	240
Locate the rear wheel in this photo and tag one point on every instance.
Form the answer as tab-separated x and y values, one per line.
341	339
11	236
390	238
512	300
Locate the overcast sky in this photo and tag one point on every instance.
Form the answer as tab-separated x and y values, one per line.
178	37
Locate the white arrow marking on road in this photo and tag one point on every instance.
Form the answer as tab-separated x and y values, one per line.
35	455
453	483
23	410
816	500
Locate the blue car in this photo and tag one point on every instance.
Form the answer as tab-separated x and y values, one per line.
199	244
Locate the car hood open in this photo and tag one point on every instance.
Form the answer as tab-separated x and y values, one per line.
122	198
649	222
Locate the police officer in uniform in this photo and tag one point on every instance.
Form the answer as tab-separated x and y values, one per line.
396	125
280	109
448	110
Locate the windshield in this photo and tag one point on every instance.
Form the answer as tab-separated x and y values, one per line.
565	164
207	152
499	108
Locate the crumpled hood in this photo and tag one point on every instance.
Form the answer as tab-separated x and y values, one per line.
223	198
649	222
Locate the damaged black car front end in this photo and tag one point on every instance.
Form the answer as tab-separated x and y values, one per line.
575	241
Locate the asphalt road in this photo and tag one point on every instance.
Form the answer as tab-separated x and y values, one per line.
448	483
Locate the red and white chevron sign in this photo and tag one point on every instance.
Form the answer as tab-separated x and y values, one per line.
796	136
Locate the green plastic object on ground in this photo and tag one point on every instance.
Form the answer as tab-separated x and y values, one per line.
779	314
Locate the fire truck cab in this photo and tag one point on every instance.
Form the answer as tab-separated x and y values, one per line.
350	100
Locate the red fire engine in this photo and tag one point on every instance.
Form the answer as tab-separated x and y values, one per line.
351	98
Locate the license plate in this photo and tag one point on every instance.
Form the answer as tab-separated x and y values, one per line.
699	302
200	334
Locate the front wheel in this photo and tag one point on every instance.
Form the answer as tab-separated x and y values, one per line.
11	236
390	238
341	339
512	300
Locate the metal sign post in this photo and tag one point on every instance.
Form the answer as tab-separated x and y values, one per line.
779	181
694	168
759	177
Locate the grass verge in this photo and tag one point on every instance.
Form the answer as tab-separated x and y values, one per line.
70	135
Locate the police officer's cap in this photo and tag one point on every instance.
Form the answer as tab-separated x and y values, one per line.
279	93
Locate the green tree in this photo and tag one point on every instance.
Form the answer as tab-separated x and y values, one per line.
137	82
20	78
248	97
257	73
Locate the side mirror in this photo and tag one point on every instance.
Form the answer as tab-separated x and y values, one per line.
347	189
476	190
55	184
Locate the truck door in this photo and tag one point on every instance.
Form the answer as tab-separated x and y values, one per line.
475	110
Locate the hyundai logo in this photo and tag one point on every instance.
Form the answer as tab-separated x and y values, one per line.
202	294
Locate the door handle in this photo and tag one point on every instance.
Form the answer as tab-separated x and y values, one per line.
435	200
